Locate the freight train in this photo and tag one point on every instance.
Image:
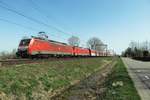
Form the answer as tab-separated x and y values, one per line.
39	47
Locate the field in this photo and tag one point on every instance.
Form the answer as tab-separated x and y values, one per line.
41	81
49	79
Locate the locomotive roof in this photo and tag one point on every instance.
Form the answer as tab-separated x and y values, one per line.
49	40
57	42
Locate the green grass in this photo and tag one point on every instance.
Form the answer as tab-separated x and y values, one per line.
125	90
38	81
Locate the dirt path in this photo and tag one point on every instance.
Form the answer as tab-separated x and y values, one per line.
90	88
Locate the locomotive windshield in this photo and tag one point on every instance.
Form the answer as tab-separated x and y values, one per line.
24	42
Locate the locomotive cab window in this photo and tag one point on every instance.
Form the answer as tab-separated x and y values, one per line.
24	42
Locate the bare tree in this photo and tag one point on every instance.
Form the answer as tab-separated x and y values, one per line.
132	45
144	45
74	41
4	55
8	55
13	53
138	49
95	43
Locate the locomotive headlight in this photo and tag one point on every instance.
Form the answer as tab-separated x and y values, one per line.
23	48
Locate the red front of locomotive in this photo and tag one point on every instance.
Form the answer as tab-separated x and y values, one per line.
23	49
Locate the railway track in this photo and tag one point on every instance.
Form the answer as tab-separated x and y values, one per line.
10	62
14	62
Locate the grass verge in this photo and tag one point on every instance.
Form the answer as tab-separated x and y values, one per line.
39	81
119	85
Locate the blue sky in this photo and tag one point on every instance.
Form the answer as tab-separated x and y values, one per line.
115	22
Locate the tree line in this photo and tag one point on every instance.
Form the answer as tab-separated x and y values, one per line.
93	43
137	49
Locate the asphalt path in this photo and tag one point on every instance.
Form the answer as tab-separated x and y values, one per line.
140	73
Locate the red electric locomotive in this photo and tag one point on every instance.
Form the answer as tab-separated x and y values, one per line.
40	47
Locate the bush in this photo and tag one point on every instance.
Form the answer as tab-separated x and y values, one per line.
8	55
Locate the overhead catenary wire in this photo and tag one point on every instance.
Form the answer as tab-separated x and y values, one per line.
10	9
38	9
17	24
30	18
42	12
26	27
